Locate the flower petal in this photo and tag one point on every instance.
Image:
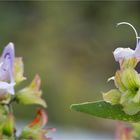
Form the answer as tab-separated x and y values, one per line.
6	69
137	51
6	87
7	60
121	53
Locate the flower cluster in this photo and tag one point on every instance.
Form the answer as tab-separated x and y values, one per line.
127	80
11	75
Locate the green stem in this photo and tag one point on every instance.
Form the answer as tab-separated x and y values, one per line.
10	110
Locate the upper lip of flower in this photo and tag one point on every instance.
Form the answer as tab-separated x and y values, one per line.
6	69
126	53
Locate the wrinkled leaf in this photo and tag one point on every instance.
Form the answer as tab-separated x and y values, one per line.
105	110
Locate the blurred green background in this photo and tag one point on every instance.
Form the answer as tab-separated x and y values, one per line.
70	45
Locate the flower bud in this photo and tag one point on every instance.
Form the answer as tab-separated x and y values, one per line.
112	96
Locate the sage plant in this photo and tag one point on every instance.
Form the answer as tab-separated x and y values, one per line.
123	101
11	75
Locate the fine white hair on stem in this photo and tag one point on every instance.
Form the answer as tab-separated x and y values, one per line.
126	23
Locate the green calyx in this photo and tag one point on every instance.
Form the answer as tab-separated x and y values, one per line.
31	94
129	63
127	81
113	96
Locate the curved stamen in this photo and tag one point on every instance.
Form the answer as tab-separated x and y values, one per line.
126	23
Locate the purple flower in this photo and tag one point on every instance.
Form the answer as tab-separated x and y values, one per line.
6	70
126	53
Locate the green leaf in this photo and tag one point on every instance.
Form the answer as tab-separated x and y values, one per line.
105	110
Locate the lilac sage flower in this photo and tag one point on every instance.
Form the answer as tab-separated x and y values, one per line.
6	70
127	79
126	53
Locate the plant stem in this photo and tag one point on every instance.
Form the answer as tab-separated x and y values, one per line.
10	110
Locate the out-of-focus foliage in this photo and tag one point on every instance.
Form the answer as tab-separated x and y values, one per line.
69	45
